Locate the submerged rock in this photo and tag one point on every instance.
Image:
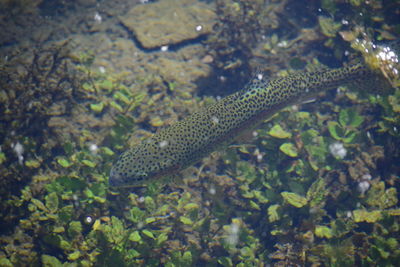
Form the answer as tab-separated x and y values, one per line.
169	22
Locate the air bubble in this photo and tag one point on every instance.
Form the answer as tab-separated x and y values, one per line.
215	120
163	144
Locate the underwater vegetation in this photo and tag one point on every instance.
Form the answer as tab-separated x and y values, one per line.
315	185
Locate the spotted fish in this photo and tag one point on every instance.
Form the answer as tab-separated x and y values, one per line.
216	126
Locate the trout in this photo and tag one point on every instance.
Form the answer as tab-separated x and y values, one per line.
216	126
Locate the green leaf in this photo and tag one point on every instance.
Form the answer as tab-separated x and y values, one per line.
259	195
32	163
187	258
294	199
349	117
393	212
52	202
394	101
289	149
150	220
148	233
106	84
225	261
123	98
367	216
246	194
65	245
171	86
335	130
161	238
136	214
88	87
186	220
323	231
356	120
89	193
64	162
309	136
72	184
74	255
89	163
115	232
317	192
277	132
318	155
50	261
247	252
57	230
116	106
349	137
39	204
97	107
133	253
66	213
4	262
2	157
382	253
135	236
344	117
380	198
75	228
392	243
107	151
191	206
254	205
149	203
273	213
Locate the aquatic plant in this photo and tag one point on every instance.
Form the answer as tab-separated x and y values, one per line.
344	130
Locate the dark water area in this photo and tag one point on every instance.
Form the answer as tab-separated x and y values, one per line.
315	184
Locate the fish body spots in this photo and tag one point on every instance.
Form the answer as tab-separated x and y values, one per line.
217	125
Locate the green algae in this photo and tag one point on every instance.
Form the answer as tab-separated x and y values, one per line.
328	27
367	216
380	197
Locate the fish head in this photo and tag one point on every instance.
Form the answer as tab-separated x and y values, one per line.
141	164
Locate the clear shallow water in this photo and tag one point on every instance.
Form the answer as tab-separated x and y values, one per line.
315	184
